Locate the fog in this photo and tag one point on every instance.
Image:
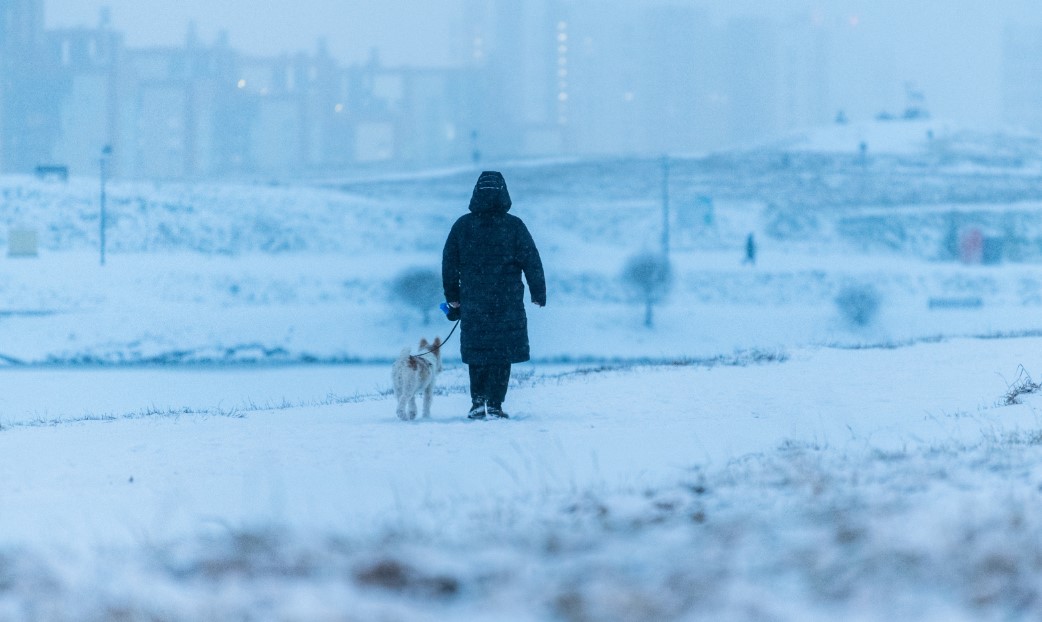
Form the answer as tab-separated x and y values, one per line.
428	83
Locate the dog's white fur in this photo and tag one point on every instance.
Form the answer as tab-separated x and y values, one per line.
412	374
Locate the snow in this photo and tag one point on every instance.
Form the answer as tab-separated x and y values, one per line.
893	137
608	464
203	428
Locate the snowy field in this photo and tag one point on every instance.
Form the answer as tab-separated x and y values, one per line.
203	429
867	484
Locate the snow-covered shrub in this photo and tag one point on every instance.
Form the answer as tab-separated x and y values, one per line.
418	288
858	304
790	222
1023	385
649	276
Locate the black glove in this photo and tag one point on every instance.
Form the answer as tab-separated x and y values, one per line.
452	313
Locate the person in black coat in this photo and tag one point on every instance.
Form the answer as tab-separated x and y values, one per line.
485	254
750	250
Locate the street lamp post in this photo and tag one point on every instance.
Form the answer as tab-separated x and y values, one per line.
665	206
105	153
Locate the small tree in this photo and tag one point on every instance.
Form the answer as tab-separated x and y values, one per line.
858	304
419	288
650	277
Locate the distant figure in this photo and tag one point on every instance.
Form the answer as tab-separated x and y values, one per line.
750	250
486	252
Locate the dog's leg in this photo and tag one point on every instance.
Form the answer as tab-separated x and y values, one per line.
412	407
402	406
428	396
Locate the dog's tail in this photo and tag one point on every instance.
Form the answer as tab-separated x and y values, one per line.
404	354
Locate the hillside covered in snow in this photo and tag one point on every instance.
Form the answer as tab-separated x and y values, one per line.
311	266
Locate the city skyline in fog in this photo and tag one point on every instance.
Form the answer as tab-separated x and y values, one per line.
406	33
951	50
183	90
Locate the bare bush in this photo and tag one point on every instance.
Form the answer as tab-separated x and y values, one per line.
418	288
858	304
650	277
396	576
1023	385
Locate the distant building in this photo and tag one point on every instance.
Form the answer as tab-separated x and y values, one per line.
1022	77
435	114
752	82
26	113
523	54
804	53
530	79
203	110
84	81
173	98
672	84
863	79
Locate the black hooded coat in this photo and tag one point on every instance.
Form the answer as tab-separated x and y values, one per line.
485	254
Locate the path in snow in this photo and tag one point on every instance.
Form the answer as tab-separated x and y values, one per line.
351	467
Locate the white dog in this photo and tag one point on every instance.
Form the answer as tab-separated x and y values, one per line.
413	373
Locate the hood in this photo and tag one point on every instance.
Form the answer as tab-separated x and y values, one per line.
490	194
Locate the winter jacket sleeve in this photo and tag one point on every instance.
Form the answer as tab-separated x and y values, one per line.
450	265
532	266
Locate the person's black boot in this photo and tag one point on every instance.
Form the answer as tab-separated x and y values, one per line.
477	410
495	411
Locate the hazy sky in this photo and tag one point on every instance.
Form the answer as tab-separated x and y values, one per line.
949	48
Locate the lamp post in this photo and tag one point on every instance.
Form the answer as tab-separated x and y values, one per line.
665	207
105	153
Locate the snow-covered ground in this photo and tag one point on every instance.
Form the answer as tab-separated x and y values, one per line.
870	484
202	429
